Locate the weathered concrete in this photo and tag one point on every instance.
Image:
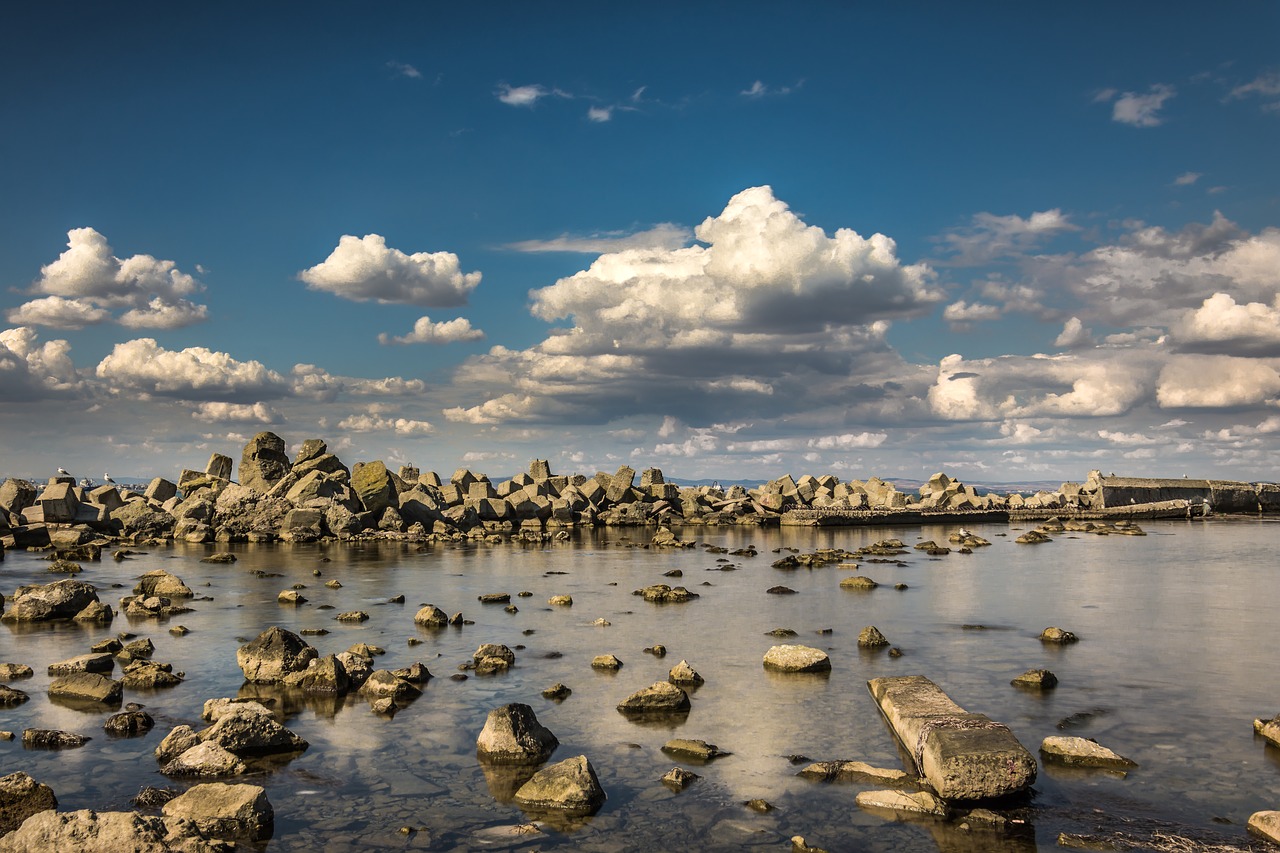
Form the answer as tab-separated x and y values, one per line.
1082	752
962	756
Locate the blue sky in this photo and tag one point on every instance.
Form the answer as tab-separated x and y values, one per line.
727	240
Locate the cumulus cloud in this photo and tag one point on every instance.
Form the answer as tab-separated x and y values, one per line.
1040	386
427	332
255	413
961	315
1074	335
1221	325
764	304
142	366
374	423
664	235
1143	110
363	269
1216	381
59	313
30	370
88	282
849	441
988	236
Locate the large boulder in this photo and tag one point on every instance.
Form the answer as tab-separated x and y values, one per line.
568	787
87	831
273	654
227	811
263	462
17	495
513	735
251	730
323	675
20	798
372	484
86	688
58	600
205	759
141	520
160	582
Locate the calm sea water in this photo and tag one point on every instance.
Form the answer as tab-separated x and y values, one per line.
1176	659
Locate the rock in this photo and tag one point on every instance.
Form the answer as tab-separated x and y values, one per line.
324	675
358	668
1057	635
677	779
1036	679
661	697
353	616
83	663
65	567
205	759
275	653
513	735
175	743
1268	729
692	750
371	482
151	606
149	675
493	650
662	594
606	662
556	692
226	811
1266	824
384	684
51	739
857	771
249	729
162	583
858	582
11	697
291	596
11	671
569	787
683	674
787	658
759	805
494	598
431	616
141	520
87	687
219	557
58	600
560	601
263	462
20	798
129	723
1032	537
871	638
88	831
920	802
1082	752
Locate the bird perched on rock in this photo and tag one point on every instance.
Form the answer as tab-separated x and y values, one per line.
107	478
64	472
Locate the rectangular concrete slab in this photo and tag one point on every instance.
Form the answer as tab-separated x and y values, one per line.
962	756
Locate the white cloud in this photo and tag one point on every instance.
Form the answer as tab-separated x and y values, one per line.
31	370
989	236
765	304
1142	110
404	69
1186	179
961	315
849	441
1265	86
1222	325
87	282
142	366
1215	381
257	413
365	268
1074	335
527	96
400	426
758	89
59	313
664	235
427	332
1039	386
1127	438
600	114
392	386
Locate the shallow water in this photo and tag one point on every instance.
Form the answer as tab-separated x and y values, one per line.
1173	665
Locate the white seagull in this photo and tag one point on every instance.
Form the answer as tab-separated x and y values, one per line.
64	472
107	477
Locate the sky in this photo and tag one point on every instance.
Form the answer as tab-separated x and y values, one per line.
1007	241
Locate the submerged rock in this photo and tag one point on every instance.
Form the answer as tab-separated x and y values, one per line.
1057	635
787	658
1082	752
659	698
1036	679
